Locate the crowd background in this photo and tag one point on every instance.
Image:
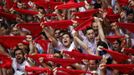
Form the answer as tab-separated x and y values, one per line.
66	37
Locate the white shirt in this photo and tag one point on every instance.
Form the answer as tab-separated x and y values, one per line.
19	68
72	46
91	45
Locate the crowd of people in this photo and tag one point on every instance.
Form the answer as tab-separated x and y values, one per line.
66	37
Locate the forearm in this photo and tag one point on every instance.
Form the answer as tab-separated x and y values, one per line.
82	44
50	37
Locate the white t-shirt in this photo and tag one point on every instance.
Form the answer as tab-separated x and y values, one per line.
19	68
61	47
91	45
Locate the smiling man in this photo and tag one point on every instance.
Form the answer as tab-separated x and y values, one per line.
19	62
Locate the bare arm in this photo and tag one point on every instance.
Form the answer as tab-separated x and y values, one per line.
81	43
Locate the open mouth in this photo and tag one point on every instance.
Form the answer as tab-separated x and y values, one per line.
19	58
65	41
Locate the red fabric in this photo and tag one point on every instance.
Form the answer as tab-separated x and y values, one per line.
47	5
25	43
11	41
8	16
89	1
132	7
9	4
128	26
111	39
37	56
113	17
34	28
86	13
129	50
80	20
44	44
62	62
117	56
62	73
80	56
49	15
6	62
25	11
109	11
62	24
84	24
123	2
54	4
41	70
124	68
43	4
70	4
71	71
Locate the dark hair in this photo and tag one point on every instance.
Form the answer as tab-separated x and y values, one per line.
101	43
67	34
18	49
85	31
119	41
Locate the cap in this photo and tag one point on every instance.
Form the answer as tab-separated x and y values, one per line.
10	41
128	26
34	28
70	4
118	57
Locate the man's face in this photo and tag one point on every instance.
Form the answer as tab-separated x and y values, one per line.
28	38
95	26
90	34
116	45
20	45
15	31
66	40
92	65
19	56
57	32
